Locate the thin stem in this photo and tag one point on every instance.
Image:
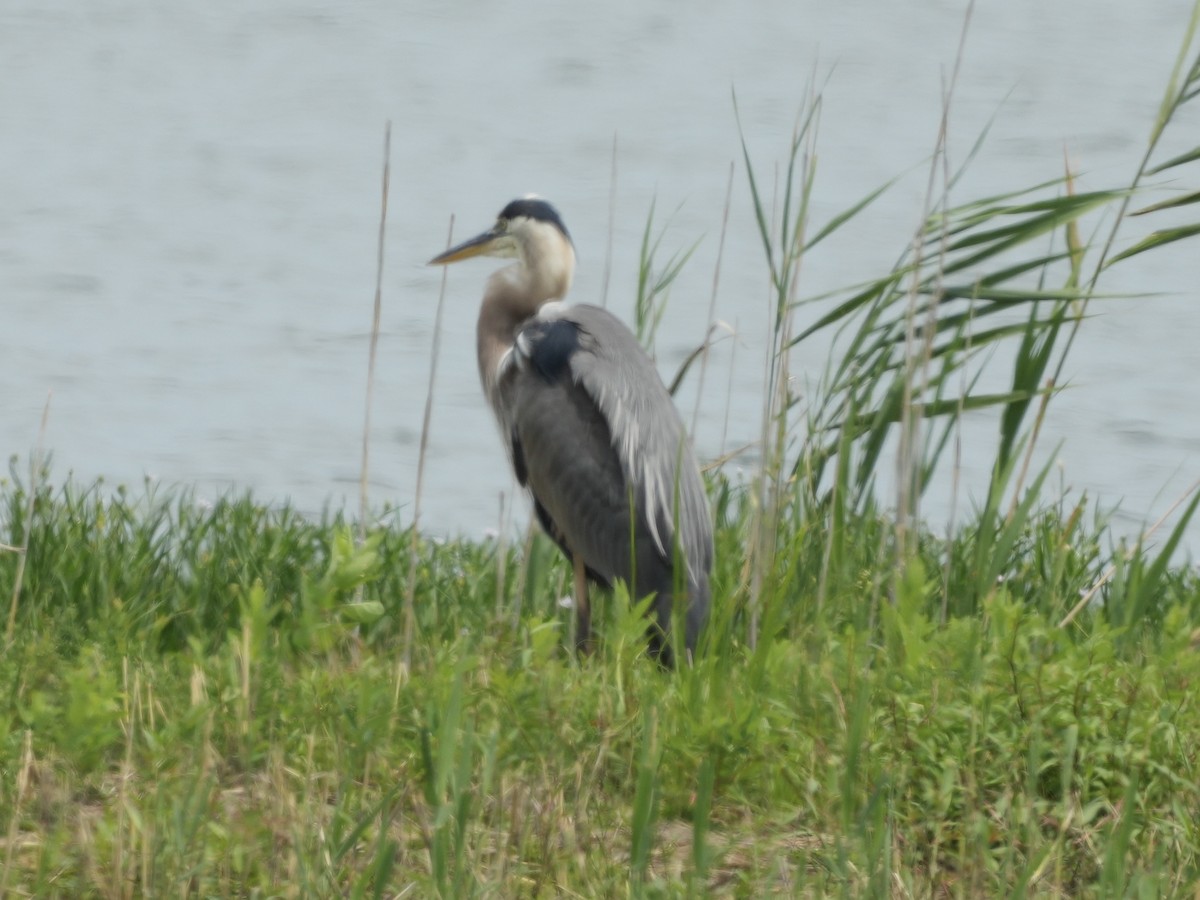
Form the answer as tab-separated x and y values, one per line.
364	470
35	466
410	593
1173	99
712	301
612	218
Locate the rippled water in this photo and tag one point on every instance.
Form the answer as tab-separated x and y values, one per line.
190	195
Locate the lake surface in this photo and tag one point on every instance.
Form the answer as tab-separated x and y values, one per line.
189	206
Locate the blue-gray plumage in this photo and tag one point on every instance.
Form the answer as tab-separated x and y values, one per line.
550	346
590	428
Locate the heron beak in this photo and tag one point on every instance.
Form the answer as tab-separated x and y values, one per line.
480	245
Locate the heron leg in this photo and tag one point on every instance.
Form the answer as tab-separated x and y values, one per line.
658	638
583	607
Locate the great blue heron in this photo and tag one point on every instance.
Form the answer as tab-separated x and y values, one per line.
590	429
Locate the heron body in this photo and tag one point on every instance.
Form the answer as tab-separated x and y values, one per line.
590	429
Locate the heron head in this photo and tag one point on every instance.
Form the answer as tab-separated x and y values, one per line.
529	229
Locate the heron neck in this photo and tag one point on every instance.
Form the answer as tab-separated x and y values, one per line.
514	295
494	333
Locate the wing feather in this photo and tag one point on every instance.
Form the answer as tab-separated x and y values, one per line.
593	404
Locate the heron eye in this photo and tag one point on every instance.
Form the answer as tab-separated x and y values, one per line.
502	225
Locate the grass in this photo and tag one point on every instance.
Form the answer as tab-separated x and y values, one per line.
198	704
231	699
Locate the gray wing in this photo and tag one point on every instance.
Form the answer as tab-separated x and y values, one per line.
592	426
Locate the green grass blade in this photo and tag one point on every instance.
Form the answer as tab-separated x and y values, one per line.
1157	239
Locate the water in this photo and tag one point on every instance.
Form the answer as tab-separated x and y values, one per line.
189	207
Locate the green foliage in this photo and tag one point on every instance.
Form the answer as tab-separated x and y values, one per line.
654	283
859	743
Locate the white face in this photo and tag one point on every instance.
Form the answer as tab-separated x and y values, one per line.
510	233
538	243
